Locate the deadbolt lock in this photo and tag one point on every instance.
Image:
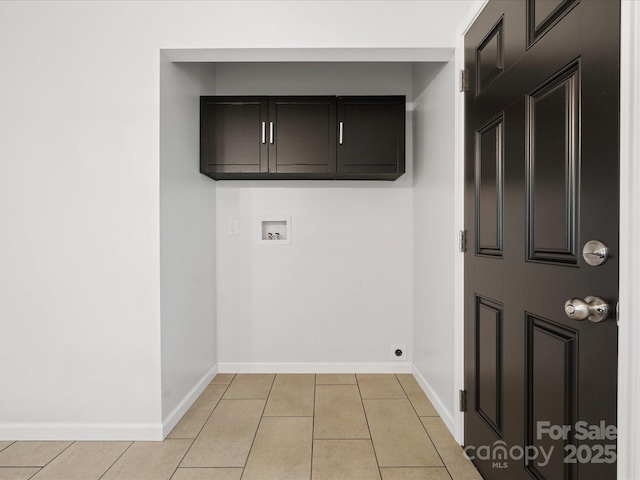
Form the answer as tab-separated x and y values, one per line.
595	253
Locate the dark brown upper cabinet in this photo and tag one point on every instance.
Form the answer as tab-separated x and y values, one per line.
371	134
302	138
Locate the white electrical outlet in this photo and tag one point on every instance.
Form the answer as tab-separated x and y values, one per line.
398	352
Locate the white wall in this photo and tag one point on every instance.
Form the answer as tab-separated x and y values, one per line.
79	275
80	316
434	233
187	241
341	294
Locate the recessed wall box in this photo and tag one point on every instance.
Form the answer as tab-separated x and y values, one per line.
275	230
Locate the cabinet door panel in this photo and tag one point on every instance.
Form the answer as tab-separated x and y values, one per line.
231	134
372	135
304	136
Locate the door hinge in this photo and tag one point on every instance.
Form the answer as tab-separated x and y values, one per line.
463	241
464	85
463	400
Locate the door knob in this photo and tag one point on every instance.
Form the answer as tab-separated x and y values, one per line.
592	308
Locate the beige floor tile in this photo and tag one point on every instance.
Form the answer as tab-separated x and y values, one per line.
223	379
428	473
398	436
339	413
282	450
10	473
439	433
459	466
4	445
335	379
83	461
226	438
207	474
417	397
291	396
344	460
249	386
192	422
31	454
380	386
149	460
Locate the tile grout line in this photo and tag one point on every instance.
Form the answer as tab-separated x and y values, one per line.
366	419
42	467
436	448
11	442
411	403
24	466
424	427
116	460
275	375
287	416
343	438
213	410
193	440
313	424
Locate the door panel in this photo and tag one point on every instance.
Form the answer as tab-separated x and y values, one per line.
490	56
489	188
541	179
543	14
489	363
552	158
551	390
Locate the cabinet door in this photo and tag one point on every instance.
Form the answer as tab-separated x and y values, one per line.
371	135
303	138
233	135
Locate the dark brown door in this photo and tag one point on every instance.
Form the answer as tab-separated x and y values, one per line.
541	180
371	134
302	135
233	135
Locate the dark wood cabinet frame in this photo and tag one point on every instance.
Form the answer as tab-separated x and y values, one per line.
302	137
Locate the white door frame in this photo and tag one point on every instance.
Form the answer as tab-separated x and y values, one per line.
629	328
458	309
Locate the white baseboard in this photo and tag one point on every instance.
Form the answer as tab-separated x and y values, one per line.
390	367
106	431
81	431
174	417
445	414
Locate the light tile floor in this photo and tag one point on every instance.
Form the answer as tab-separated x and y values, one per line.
271	427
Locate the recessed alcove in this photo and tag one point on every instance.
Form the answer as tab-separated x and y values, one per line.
348	279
